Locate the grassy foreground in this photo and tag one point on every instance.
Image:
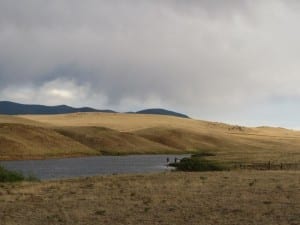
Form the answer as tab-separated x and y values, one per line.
236	197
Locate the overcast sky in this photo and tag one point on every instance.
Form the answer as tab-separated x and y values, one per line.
234	61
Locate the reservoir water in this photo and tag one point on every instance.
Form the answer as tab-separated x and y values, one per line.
91	166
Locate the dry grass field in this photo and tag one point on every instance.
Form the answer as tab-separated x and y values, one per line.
229	198
113	142
44	136
19	141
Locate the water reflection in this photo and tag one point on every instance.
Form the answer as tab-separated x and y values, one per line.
89	166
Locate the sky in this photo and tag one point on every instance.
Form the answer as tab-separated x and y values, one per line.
233	61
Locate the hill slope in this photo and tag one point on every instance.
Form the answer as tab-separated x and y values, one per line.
113	142
116	133
19	141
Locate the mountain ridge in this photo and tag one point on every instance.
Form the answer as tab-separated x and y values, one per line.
160	111
13	108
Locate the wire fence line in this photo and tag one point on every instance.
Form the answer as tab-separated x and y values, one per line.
268	166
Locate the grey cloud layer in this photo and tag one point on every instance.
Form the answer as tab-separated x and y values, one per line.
212	59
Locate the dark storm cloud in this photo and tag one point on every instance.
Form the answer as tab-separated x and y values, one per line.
212	59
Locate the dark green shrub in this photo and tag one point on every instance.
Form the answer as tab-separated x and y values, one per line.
10	176
198	164
203	154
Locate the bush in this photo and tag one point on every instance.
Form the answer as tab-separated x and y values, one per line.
203	154
12	176
198	164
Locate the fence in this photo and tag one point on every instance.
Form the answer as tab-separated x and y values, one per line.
268	166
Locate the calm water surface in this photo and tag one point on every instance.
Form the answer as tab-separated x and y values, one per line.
90	166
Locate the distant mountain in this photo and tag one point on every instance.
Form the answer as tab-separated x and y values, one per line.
162	112
11	108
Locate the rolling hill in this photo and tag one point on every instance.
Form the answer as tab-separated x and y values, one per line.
112	142
94	133
20	141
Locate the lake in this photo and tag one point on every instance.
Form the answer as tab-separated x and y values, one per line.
91	166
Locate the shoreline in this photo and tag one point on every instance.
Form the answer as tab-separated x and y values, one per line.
37	158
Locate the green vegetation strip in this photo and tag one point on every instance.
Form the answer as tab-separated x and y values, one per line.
199	164
12	176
